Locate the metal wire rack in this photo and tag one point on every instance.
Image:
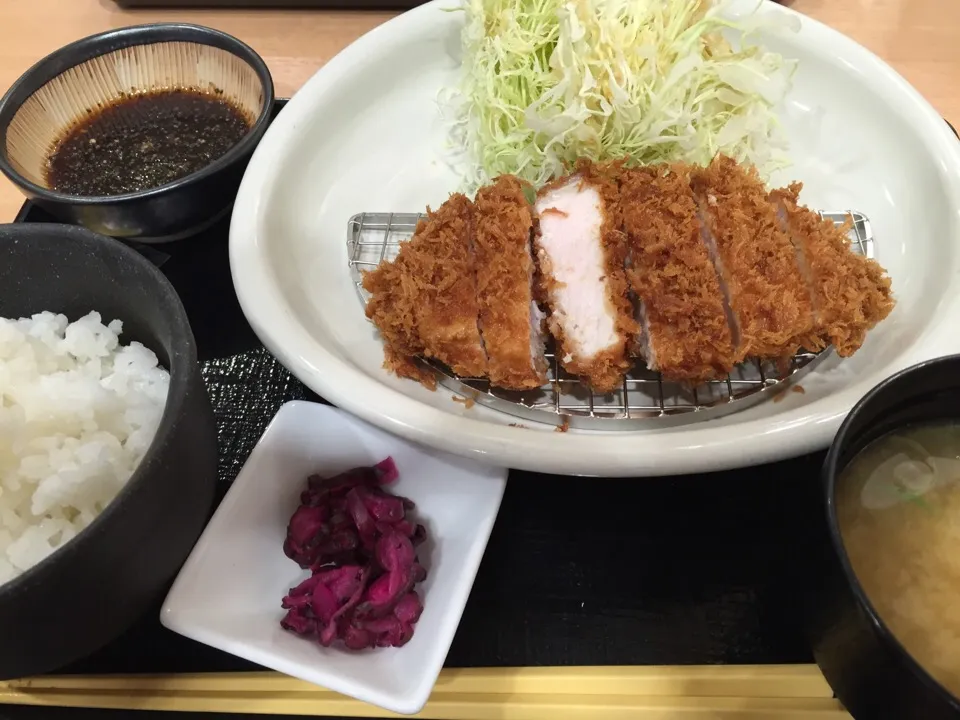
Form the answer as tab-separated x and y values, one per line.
645	400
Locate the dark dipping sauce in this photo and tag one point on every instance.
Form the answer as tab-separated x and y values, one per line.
144	141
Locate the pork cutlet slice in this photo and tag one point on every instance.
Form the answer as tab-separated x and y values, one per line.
580	250
511	323
425	301
851	293
756	260
685	331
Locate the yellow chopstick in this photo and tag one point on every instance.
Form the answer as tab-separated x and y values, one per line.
453	707
774	681
722	692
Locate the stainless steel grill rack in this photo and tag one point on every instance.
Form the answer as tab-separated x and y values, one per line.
644	401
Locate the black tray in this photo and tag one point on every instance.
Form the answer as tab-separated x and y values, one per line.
578	571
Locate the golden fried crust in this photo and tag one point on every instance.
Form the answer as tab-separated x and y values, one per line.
767	291
406	366
851	293
604	371
447	312
672	275
424	302
392	308
504	284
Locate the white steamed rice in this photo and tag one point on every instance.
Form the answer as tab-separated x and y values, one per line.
77	413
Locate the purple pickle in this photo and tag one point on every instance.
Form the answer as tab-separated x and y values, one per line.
359	545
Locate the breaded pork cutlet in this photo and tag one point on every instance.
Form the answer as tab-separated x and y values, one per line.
425	301
685	332
755	259
580	250
511	323
851	293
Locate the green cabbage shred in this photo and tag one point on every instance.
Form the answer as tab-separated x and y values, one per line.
545	82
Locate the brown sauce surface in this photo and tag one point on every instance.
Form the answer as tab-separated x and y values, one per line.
144	141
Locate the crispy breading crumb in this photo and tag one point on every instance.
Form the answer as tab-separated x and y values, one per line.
468	402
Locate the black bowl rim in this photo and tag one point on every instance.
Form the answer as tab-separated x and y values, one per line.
832	473
182	364
80	51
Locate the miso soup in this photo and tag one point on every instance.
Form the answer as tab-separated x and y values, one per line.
898	507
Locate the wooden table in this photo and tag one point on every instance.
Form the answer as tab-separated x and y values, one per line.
918	37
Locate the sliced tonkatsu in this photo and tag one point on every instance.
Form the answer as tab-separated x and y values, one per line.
580	251
511	323
425	301
755	260
850	293
694	269
685	332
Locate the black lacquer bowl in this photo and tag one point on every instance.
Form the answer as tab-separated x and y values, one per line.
75	82
94	587
868	669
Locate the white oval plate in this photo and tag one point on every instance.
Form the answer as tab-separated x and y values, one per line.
364	134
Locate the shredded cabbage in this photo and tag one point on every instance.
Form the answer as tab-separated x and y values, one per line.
545	82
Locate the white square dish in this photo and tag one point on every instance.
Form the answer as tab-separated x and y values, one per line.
229	591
